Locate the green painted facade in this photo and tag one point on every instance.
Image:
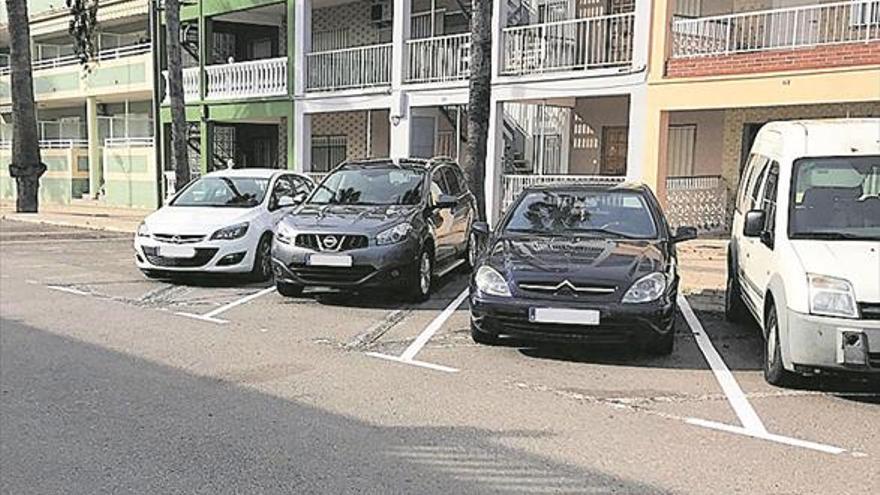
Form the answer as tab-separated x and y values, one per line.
131	193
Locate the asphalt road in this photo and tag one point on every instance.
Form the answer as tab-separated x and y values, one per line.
111	383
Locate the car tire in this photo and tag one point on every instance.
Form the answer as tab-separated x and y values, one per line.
262	269
481	337
288	289
421	277
734	307
774	371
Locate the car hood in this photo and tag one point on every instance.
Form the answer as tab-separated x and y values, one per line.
607	262
856	261
348	218
192	220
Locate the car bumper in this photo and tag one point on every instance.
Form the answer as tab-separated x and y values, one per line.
836	344
618	323
372	266
233	256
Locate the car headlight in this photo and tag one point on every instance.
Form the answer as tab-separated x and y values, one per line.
830	296
489	281
143	230
394	235
646	289
236	231
284	234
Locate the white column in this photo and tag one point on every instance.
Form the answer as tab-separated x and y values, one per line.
302	140
302	19
400	25
499	20
494	166
400	125
641	33
635	152
96	172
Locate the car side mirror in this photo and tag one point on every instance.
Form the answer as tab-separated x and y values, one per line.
445	201
754	223
685	234
481	228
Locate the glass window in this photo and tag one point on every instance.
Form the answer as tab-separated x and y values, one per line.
452	181
240	192
835	198
768	201
618	213
438	185
371	185
760	164
328	152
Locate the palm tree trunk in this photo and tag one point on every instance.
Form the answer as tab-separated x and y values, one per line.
27	166
179	160
479	99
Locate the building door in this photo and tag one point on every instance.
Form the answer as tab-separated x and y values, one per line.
680	150
614	145
749	133
422	138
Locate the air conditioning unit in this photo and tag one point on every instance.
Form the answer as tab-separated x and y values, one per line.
381	12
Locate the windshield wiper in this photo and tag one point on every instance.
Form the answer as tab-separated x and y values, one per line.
608	231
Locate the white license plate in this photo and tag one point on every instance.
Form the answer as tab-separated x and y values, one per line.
564	316
329	260
177	251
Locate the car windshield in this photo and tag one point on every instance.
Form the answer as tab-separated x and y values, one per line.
615	213
371	186
835	198
233	192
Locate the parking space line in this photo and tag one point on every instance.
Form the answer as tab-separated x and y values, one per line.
741	406
450	268
69	290
794	442
211	315
408	356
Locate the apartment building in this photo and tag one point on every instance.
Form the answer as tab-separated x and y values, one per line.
722	68
95	124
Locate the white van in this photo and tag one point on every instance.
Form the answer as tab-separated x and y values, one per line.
804	256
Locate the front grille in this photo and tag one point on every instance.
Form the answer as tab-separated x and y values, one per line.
332	275
874	359
178	238
566	289
519	324
319	242
870	311
202	257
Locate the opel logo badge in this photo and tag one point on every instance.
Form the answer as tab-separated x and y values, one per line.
330	241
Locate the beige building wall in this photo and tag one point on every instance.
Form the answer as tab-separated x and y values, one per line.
589	117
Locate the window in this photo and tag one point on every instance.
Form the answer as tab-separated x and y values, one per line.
756	187
452	181
681	150
438	185
864	14
768	201
328	152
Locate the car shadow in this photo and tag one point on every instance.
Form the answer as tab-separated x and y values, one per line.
445	289
212	280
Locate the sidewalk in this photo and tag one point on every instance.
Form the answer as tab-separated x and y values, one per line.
88	215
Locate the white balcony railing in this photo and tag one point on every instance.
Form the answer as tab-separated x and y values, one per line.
63	143
190	84
66	60
512	185
266	77
577	44
358	67
442	58
128	142
794	27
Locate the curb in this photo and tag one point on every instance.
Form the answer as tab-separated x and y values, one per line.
65	223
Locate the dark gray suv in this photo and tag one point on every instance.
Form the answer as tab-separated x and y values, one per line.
377	224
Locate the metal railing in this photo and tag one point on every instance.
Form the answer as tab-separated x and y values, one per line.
128	142
437	59
67	60
775	29
266	77
63	143
358	67
512	185
576	44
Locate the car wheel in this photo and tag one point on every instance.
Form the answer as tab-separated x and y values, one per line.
470	253
774	371
421	277
481	337
262	269
734	308
288	290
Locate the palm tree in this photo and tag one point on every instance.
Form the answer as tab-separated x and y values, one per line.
27	166
479	99
179	160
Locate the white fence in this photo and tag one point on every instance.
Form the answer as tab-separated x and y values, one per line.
128	142
512	185
66	60
794	27
700	202
442	58
190	84
266	77
577	44
358	67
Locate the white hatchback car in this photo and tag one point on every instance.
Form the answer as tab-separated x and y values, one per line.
804	257
222	222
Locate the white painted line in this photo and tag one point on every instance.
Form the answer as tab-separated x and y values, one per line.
239	302
432	327
794	442
450	268
202	317
69	290
423	364
735	396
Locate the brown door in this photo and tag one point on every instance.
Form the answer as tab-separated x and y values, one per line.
614	142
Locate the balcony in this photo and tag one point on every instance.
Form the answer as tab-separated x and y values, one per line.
438	59
349	68
70	59
856	21
252	79
570	45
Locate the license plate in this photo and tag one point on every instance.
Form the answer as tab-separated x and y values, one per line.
564	316
329	260
177	251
